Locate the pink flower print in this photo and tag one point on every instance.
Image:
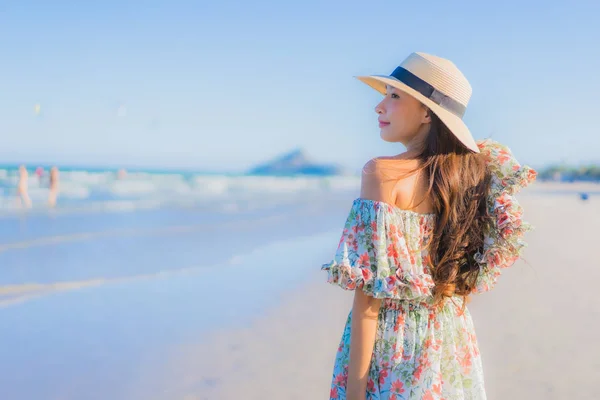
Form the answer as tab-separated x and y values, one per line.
354	244
370	386
507	232
503	219
374	226
412	257
504	200
333	394
421	284
351	282
367	274
340	380
465	361
399	322
391	282
382	375
392	251
503	157
364	261
397	387
418	372
428	395
493	259
393	239
358	228
531	175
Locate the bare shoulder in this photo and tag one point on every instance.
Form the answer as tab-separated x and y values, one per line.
388	166
392	180
380	176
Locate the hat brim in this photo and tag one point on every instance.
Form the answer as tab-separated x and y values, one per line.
454	123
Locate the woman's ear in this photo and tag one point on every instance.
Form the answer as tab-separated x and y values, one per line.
426	116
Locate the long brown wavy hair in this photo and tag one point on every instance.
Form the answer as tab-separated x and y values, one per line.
458	183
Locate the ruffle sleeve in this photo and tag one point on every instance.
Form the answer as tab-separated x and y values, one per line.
503	241
382	251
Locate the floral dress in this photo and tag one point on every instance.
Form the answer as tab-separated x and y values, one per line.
423	350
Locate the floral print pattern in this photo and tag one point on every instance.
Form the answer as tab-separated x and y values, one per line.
377	239
503	243
422	350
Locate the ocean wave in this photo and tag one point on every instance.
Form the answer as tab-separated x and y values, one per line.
90	191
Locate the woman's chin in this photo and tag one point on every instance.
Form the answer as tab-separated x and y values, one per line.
385	136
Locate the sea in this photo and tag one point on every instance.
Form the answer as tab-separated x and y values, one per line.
130	264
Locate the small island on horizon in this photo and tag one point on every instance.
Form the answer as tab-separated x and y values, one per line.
296	162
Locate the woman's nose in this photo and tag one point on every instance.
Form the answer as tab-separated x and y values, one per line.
379	108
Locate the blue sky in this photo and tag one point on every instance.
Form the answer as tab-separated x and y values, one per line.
223	85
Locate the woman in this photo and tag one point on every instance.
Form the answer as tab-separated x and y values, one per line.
431	226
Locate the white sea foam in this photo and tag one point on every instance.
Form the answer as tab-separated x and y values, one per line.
105	191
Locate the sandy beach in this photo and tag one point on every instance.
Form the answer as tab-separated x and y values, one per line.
264	324
537	330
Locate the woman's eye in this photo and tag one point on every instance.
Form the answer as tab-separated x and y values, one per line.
395	96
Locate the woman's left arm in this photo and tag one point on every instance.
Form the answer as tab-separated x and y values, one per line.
363	329
365	309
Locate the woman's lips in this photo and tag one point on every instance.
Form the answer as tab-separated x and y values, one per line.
383	124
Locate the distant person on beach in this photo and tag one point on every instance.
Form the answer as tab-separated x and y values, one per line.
22	187
432	226
54	181
122	173
39	172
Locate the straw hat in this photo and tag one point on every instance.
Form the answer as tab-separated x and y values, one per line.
435	82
